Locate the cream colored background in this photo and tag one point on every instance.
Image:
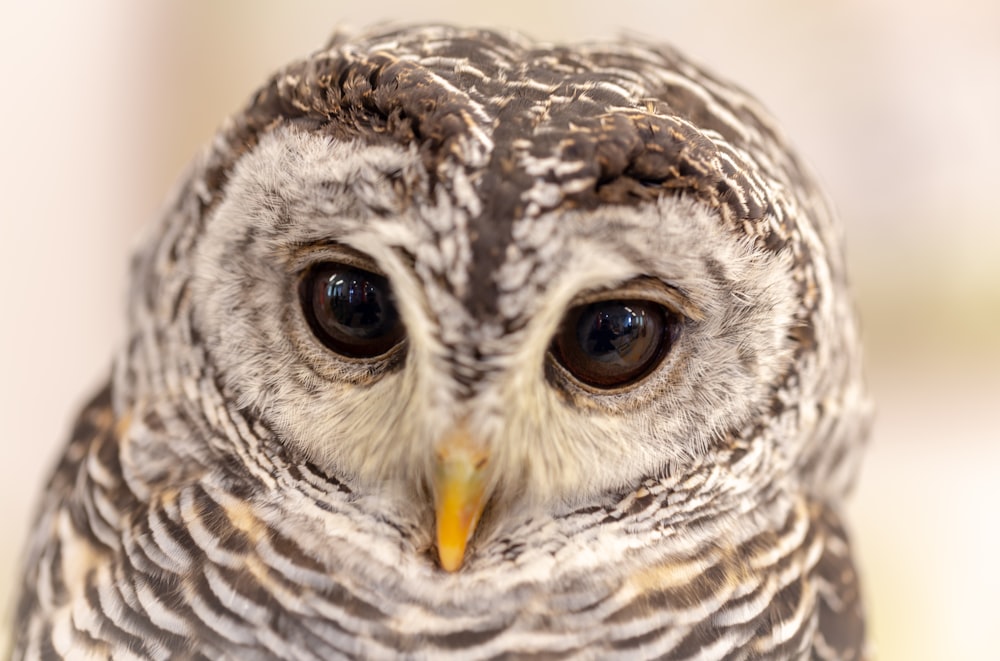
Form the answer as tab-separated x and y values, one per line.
896	103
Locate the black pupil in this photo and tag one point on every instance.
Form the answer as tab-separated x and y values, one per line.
612	343
351	310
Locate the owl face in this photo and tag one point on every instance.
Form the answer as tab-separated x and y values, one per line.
481	282
339	302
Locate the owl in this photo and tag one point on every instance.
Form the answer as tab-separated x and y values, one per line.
452	344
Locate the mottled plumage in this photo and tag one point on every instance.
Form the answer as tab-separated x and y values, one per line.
242	489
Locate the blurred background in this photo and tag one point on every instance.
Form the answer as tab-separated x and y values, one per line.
895	103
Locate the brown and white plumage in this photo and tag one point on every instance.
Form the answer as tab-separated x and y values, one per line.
241	491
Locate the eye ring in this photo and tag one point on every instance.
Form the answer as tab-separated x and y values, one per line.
351	311
610	344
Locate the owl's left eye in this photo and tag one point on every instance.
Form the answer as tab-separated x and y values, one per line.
351	310
610	344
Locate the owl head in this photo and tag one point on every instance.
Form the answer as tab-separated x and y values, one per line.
473	279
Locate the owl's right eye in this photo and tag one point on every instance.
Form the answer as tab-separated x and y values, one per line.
350	310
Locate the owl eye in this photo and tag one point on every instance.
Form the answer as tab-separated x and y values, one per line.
350	310
608	344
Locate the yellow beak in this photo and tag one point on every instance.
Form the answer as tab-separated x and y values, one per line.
458	494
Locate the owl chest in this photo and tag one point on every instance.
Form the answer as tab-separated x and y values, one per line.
228	588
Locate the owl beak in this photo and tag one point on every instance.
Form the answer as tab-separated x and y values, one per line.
458	494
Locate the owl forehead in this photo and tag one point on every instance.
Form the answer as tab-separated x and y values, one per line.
504	139
299	195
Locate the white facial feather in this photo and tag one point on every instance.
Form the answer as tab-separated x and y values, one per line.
547	440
